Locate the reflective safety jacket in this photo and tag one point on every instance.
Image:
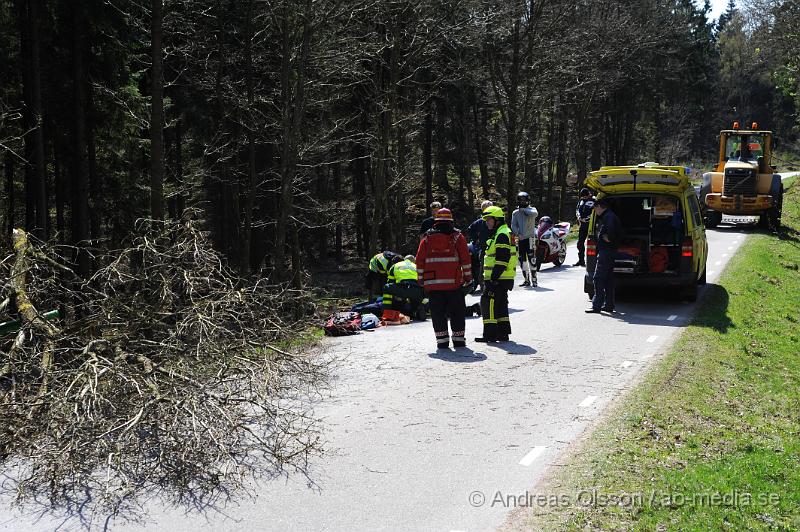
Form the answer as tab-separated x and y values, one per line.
443	259
402	271
380	263
500	261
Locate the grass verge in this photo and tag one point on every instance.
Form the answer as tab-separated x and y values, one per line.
710	440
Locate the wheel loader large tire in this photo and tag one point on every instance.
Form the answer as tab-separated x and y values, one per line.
713	219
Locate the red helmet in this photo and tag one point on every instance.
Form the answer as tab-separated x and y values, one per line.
443	215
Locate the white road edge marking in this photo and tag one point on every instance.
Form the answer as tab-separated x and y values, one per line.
712	272
718	263
652	339
724	255
627	364
672	317
532	455
589	400
730	248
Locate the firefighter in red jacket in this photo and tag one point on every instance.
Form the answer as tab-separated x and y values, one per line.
444	267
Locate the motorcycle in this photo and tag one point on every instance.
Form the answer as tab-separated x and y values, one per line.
551	243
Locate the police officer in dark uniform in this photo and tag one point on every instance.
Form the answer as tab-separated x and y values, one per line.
608	234
583	211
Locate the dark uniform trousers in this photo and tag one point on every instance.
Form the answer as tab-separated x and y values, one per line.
604	279
583	232
494	308
444	304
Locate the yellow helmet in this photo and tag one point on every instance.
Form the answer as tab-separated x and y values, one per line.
493	212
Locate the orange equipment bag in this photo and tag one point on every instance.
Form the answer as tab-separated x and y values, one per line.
658	259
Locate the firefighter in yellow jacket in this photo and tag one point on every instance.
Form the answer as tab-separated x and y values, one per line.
499	267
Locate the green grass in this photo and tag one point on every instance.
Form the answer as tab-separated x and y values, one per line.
719	414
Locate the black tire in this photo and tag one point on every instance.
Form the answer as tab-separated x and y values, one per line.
774	214
557	262
712	219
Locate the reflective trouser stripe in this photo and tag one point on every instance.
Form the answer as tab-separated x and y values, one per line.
441	259
490	318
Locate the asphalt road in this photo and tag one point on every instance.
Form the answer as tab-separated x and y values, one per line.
425	440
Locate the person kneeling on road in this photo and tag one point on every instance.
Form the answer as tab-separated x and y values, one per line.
444	268
499	267
402	292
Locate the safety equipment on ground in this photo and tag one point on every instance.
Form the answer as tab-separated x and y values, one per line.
369	321
523	199
493	212
342	324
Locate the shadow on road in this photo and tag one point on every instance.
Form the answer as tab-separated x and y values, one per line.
513	348
642	308
462	354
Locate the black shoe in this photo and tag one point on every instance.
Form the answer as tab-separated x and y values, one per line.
485	340
502	338
580	263
457	344
442	346
526	283
608	309
592	310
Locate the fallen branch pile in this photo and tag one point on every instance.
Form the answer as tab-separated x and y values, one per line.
163	372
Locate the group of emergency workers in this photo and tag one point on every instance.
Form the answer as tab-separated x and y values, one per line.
446	267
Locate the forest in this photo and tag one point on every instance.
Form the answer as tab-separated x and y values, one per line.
166	155
313	132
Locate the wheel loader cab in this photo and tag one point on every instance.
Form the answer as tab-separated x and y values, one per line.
743	182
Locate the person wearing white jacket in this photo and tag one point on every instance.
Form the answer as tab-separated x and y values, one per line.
523	227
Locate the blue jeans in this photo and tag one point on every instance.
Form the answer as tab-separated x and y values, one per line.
604	280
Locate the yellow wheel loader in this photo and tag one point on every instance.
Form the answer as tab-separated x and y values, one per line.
744	183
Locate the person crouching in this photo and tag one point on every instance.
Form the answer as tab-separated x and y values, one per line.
444	267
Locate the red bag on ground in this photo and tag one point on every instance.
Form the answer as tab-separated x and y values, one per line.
343	324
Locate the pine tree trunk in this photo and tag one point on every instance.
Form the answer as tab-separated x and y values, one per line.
157	114
427	156
480	151
250	192
80	182
9	185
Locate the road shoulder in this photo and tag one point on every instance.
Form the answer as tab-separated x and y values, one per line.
709	437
